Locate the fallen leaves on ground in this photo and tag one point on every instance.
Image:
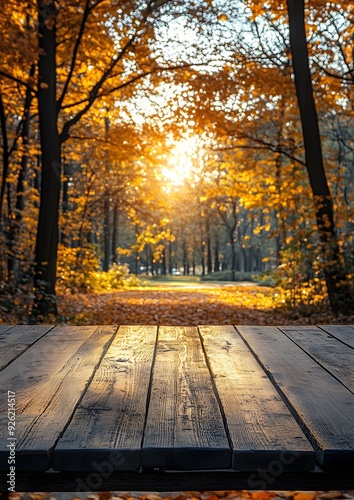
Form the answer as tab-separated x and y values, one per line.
190	495
187	306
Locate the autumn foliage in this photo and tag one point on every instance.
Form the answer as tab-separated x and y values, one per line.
165	137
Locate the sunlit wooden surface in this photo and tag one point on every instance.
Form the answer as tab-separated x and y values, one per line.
171	407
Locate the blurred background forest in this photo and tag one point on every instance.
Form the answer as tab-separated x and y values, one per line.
164	137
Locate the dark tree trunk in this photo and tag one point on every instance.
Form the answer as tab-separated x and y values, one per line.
251	257
22	176
245	259
37	179
338	291
7	226
10	237
136	263
115	233
170	264
209	256
63	237
216	256
65	196
106	232
202	257
231	235
233	261
185	259
14	268
5	155
164	266
107	206
193	265
47	232
147	260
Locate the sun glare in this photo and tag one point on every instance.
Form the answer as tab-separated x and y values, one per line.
183	164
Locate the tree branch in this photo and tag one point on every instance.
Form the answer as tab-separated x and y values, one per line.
94	92
265	145
74	56
17	80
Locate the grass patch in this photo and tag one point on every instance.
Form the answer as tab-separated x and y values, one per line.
227	276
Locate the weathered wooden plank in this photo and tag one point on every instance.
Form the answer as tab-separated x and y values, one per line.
23	334
333	355
48	380
184	428
107	427
179	481
17	339
323	406
344	333
261	427
4	328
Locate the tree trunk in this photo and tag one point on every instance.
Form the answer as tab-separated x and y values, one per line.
63	237
20	191
216	257
47	232
107	205
14	222
136	264
233	261
338	291
185	259
209	255
6	226
147	259
163	258
5	155
106	232
115	233
202	257
170	264
37	179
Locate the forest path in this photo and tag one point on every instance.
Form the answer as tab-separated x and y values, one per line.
188	304
194	283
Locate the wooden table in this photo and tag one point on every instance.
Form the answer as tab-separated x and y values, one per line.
174	408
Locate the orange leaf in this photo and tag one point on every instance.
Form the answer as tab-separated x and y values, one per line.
261	495
304	496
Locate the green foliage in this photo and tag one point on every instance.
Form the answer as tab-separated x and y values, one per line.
227	276
267	278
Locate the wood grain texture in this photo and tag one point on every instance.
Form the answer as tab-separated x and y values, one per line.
323	406
14	341
184	428
260	425
326	350
107	428
48	379
4	328
344	333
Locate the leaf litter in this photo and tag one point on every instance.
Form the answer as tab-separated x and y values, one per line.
173	306
188	495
